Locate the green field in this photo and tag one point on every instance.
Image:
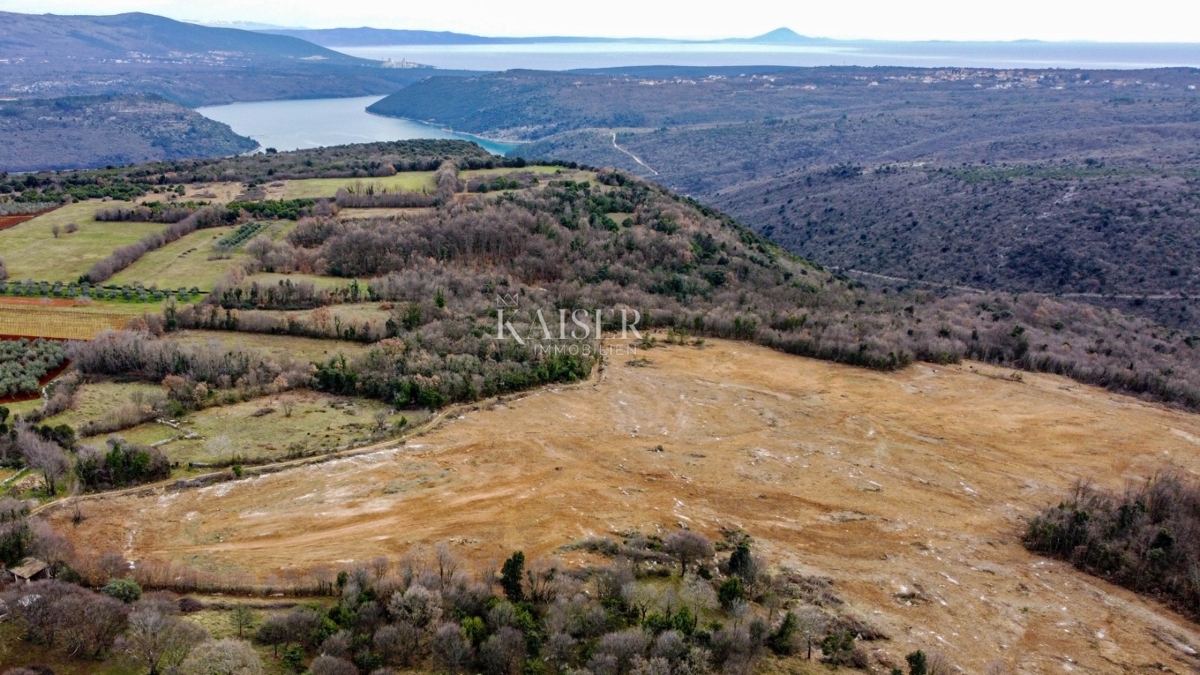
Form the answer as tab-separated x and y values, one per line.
182	263
313	188
31	251
319	422
541	170
95	400
317	281
409	181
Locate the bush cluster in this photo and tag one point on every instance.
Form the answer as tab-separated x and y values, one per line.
23	363
1146	538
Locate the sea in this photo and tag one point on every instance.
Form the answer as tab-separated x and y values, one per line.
311	123
296	124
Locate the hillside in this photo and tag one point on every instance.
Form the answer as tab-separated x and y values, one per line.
87	132
904	492
293	374
1108	157
49	55
145	37
1123	235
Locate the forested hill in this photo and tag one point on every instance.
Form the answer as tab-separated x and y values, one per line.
139	36
49	56
1075	182
95	131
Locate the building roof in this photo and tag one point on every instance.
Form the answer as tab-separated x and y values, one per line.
29	568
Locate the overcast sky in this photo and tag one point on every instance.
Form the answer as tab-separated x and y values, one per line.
1102	20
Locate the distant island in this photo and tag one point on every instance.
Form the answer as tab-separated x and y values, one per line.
376	37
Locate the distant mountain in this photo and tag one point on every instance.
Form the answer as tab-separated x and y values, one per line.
146	36
779	36
47	55
377	37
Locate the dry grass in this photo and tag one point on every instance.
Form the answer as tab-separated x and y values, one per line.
75	323
909	489
279	346
94	401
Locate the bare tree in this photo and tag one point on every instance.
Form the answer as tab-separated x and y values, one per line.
112	564
399	643
222	657
503	652
288	404
92	622
380	566
381	417
698	595
156	639
447	563
45	456
451	650
331	665
938	664
810	624
687	546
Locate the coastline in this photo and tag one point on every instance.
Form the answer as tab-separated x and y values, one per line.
449	130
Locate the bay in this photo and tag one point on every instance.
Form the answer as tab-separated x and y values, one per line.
311	123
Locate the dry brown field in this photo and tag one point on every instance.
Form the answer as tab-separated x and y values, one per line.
910	490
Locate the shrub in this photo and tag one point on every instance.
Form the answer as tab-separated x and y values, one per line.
731	592
126	590
123	464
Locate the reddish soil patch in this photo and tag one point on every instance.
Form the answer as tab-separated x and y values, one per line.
39	302
9	221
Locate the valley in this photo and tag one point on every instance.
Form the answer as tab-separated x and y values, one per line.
1055	181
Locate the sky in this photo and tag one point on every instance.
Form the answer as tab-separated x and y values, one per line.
1098	20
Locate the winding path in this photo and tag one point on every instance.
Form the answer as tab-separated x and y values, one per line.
635	157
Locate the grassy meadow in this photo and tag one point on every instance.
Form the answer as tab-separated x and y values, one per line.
261	428
31	251
315	188
185	262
